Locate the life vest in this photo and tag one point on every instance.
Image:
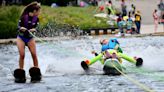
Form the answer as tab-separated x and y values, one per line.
129	23
111	44
138	18
104	47
33	22
121	23
26	21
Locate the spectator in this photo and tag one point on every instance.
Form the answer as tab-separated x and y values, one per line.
120	24
129	24
161	8
133	9
123	7
138	21
155	17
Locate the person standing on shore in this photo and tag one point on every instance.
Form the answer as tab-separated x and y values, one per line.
155	17
133	9
138	21
123	7
161	9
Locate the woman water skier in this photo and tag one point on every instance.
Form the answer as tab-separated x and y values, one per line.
27	24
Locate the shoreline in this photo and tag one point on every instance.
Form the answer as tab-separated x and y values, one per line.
13	40
146	30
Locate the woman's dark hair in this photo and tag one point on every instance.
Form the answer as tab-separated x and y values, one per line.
110	1
155	10
30	8
123	0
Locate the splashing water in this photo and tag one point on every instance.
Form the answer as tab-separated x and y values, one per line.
53	29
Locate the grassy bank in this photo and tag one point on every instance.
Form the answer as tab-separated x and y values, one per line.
8	21
75	16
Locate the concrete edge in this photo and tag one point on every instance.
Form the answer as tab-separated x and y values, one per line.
13	40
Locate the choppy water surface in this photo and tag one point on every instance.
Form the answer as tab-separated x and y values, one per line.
60	65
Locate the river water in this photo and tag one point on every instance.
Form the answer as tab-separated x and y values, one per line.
60	60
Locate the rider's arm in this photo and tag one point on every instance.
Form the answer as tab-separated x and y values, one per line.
93	52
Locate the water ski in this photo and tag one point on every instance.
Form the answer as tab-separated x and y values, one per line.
110	67
139	62
20	76
84	66
35	74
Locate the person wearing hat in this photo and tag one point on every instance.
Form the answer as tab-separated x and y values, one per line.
138	21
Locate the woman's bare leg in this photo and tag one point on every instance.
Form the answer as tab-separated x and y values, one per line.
32	48
21	49
156	25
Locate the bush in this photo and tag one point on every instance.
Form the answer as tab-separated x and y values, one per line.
8	21
7	30
48	2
